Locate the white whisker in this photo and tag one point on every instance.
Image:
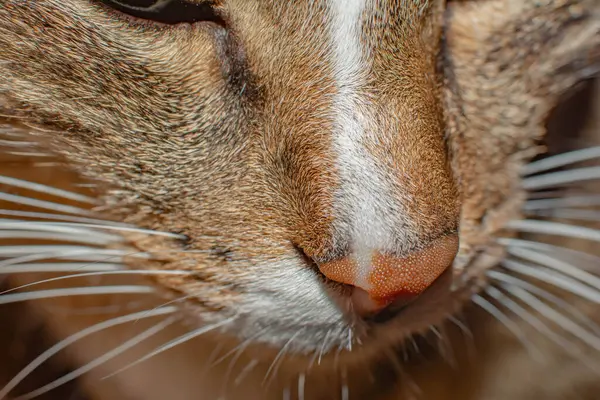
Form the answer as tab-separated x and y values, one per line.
561	202
461	326
134	341
556	279
560	160
48	205
561	178
321	352
88	238
562	321
344	387
279	355
46	164
555	229
514	328
39	360
60	217
301	384
173	343
558	265
581	258
244	373
287	393
37	187
29	154
533	320
238	349
77	291
544	294
23	254
100	273
567	213
81	228
15	143
46	226
55	267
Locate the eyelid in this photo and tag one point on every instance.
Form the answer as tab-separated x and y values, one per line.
165	12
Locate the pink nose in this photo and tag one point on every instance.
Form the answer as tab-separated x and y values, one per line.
382	279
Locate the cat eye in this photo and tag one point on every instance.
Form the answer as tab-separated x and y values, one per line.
167	11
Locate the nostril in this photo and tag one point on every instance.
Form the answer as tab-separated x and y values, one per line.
381	278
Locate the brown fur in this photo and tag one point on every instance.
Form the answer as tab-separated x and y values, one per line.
223	136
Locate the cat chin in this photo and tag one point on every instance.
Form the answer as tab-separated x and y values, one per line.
304	345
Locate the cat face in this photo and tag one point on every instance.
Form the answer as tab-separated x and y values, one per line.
321	162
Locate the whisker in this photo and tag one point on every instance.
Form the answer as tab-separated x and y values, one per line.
561	202
345	388
287	393
47	205
101	273
323	345
87	238
27	253
46	164
46	355
567	213
134	341
514	328
244	373
59	217
556	279
37	187
29	154
238	349
561	178
280	354
561	160
558	265
562	321
532	320
554	228
471	348
77	291
558	251
58	226
100	310
544	294
15	143
301	384
461	326
238	352
173	343
55	267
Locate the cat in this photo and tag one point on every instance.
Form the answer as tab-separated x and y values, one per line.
294	199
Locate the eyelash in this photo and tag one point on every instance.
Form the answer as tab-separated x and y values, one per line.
169	12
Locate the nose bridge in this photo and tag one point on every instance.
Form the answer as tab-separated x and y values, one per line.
355	145
396	189
408	148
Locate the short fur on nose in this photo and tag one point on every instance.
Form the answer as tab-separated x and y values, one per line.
381	279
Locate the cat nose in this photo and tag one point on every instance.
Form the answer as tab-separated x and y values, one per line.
380	279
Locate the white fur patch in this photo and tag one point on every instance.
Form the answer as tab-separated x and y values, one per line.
363	198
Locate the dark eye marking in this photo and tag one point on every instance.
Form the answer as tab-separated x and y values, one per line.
167	11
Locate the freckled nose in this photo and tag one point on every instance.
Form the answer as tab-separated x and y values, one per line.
381	279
